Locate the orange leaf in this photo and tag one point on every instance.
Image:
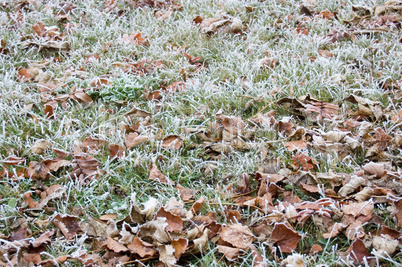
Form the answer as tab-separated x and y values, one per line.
174	222
237	235
142	248
180	246
114	246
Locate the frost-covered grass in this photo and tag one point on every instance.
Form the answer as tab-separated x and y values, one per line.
227	58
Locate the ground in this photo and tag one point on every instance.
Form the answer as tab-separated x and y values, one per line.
200	133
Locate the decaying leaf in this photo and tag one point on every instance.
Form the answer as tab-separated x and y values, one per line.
237	235
354	183
229	252
174	222
285	237
172	142
67	224
358	251
40	146
156	175
143	249
133	139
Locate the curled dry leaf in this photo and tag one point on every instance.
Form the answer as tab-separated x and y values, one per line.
180	245
197	205
237	235
54	262
376	169
285	237
298	144
294	260
67	224
155	229
82	96
143	249
137	215
44	239
92	144
351	186
384	245
114	246
173	142
40	146
174	222
13	160
166	255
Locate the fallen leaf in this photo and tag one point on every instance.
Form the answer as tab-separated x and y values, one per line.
67	224
315	249
92	145
143	249
285	237
351	186
358	251
356	209
156	175
230	253
237	235
116	151
294	145
180	245
54	262
186	194
197	205
115	246
38	170
44	239
294	260
139	113
13	160
133	139
174	222
166	255
172	142
384	245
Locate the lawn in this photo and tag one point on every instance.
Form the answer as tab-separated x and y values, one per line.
200	133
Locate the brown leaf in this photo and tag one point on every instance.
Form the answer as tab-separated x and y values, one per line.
116	151
138	113
29	201
166	255
44	239
67	224
174	222
142	248
83	97
38	170
325	53
172	142
91	144
234	125
88	164
237	235
333	230
398	211
156	175
351	186
186	194
358	251
315	249
13	160
285	237
233	216
197	205
99	82
180	246
133	139
176	87
108	217
301	160
229	252
375	168
198	20
49	109
298	144
54	262
114	246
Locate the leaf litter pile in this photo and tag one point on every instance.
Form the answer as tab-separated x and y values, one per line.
178	133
